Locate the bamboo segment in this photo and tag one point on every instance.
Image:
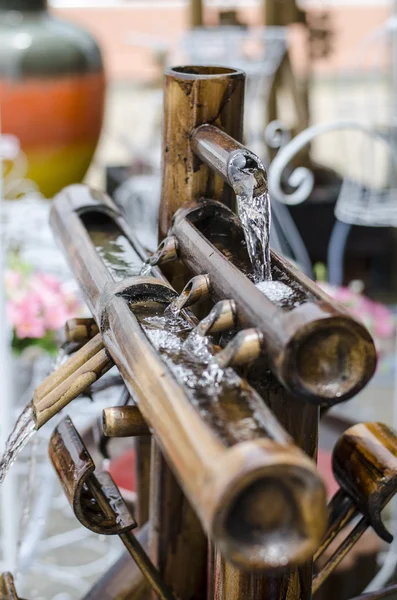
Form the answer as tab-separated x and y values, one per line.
76	361
222	153
316	349
123	421
340	553
80	330
193	96
45	407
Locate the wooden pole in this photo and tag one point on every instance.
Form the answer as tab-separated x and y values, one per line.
178	544
196	13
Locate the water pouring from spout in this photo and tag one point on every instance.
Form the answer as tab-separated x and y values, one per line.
248	178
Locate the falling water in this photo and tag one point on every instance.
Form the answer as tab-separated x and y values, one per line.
247	176
24	429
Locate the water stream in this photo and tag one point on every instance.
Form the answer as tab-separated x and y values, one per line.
24	429
20	436
253	205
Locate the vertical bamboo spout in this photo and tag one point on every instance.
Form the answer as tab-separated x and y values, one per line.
195	96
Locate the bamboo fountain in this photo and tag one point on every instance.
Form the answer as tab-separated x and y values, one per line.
227	359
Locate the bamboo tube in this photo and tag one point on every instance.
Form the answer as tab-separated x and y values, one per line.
221	152
227	482
80	330
317	350
194	96
123	421
45	407
75	362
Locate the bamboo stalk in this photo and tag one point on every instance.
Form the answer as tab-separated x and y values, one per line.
194	96
74	363
46	406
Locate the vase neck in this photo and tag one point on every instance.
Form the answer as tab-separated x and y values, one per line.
23	5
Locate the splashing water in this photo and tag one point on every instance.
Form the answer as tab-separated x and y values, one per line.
22	433
24	429
210	388
247	176
280	294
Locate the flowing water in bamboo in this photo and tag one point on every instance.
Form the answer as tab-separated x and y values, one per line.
209	387
23	431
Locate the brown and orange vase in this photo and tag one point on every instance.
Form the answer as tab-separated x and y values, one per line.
52	91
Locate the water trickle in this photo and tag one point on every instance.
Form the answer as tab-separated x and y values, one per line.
248	179
20	436
152	261
175	307
146	268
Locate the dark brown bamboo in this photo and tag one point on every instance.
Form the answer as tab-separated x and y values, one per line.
317	350
221	481
96	500
364	463
181	559
365	466
142	476
194	96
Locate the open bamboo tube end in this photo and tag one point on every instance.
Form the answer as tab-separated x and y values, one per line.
330	359
272	514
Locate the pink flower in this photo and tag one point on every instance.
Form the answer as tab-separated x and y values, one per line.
26	319
31	329
55	316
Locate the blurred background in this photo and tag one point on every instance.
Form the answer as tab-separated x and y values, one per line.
81	100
